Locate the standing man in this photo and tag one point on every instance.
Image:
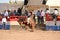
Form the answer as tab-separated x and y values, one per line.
6	13
42	16
4	21
56	13
19	11
38	15
26	13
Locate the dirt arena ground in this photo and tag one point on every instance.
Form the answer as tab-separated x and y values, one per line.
26	35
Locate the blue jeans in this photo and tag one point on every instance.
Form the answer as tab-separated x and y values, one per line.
4	24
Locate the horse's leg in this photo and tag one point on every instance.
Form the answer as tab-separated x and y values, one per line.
33	26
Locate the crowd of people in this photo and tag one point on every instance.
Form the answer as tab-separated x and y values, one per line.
38	16
6	15
54	14
11	12
33	17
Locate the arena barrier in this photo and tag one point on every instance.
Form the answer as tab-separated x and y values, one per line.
50	23
12	20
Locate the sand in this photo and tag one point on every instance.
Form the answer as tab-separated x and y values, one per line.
26	35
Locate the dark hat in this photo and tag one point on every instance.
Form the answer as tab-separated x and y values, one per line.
55	9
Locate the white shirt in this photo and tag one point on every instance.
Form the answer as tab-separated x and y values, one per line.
35	12
4	20
56	12
6	13
42	13
47	11
28	20
1	13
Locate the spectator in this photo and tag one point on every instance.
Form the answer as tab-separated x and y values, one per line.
55	14
19	12
26	13
35	12
42	16
9	12
38	15
4	21
15	12
6	13
47	12
0	13
12	13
